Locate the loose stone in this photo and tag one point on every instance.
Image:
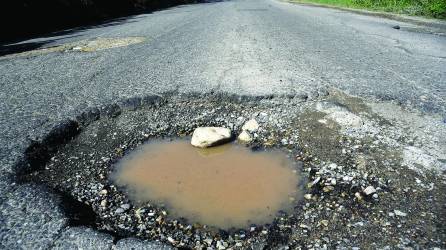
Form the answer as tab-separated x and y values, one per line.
220	245
171	240
208	241
125	206
244	137
204	137
251	126
310	185
369	190
399	213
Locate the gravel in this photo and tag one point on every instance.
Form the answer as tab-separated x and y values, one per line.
357	184
257	48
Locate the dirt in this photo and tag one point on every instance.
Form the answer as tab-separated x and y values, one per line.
227	186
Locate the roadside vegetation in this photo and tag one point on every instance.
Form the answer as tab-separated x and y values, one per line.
428	8
22	18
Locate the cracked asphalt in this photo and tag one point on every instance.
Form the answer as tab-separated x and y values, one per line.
242	47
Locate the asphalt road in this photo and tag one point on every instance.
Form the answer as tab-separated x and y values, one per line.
241	47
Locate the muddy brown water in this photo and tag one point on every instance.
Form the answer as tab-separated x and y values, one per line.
226	186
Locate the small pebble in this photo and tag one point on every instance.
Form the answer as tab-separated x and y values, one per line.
399	213
369	190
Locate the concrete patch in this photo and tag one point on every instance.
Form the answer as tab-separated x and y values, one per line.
106	43
97	44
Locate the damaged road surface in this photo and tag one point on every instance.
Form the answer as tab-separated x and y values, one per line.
364	174
354	106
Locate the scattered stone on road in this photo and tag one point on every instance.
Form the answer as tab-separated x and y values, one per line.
369	190
340	168
204	137
245	137
181	58
399	213
308	196
251	126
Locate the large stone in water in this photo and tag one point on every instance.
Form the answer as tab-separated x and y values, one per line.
204	137
245	137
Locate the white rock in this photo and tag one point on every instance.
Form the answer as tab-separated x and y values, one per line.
171	240
204	137
208	241
399	213
220	245
314	182
369	190
103	203
251	126
347	178
244	137
332	166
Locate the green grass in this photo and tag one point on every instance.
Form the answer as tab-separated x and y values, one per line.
428	8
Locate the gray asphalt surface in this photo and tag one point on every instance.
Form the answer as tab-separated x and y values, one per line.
241	47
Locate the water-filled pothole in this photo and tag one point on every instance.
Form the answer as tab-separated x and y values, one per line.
226	186
78	158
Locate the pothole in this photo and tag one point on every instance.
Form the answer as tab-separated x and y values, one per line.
227	186
105	43
351	174
91	45
256	186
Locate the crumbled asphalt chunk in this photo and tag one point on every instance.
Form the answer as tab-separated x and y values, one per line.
340	162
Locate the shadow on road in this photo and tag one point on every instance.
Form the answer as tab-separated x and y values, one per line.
18	45
33	42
